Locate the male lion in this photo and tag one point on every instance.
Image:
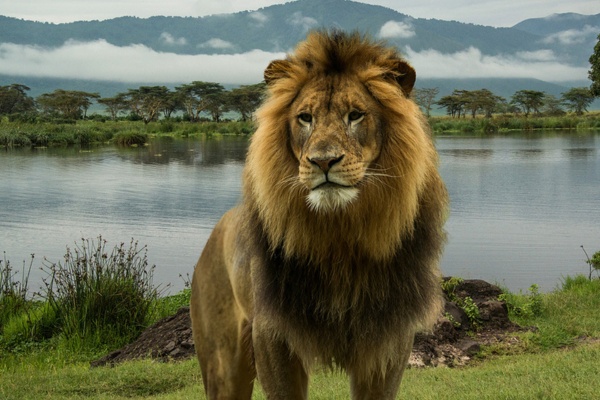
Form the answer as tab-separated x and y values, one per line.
332	255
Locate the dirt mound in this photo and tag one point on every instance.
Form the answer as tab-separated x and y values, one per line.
448	344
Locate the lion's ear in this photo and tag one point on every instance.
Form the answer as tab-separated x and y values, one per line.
276	70
405	76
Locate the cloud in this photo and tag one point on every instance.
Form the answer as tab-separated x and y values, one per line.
572	36
218	44
100	60
396	30
471	63
258	18
306	23
169	39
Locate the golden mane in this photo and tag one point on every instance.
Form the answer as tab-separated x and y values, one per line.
386	210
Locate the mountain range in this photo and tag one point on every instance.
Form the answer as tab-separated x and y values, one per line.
549	53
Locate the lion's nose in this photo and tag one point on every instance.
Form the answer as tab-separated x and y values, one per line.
325	163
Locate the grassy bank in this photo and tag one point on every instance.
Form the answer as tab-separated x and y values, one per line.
508	123
85	133
557	359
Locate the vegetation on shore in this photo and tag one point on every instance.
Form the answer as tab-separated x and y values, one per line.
47	342
137	133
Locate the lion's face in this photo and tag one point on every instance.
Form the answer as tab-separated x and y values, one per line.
335	136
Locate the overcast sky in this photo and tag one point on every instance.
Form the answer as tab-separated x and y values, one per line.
136	63
484	12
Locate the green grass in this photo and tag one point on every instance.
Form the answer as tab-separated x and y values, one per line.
558	374
507	123
124	133
558	360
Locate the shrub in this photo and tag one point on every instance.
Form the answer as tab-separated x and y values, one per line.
524	305
13	292
130	138
101	297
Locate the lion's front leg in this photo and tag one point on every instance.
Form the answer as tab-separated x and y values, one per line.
378	386
280	372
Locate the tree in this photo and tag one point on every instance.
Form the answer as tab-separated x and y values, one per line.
198	96
528	101
454	103
246	99
578	99
147	101
115	105
425	98
70	104
594	72
14	99
552	106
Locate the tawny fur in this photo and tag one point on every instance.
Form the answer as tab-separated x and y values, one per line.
346	285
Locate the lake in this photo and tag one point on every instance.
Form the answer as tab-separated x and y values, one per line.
521	204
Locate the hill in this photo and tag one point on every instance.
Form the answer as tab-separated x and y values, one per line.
550	52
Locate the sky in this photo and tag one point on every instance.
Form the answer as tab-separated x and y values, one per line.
136	63
499	13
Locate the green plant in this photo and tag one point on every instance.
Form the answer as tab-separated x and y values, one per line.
103	297
524	305
13	292
467	304
593	262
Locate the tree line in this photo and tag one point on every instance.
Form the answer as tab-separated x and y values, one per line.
195	100
461	103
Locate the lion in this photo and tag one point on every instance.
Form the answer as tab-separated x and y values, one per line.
331	257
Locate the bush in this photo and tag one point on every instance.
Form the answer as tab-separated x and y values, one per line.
101	297
13	292
130	138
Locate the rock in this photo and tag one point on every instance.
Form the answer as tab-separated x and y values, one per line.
469	347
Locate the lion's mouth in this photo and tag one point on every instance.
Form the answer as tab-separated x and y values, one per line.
331	196
331	185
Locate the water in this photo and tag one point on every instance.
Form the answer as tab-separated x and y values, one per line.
521	205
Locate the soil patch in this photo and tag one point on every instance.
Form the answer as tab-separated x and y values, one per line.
453	342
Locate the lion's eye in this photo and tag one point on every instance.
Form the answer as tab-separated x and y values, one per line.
305	117
355	116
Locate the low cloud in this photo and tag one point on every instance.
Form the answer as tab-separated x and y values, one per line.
258	18
217	44
169	39
573	36
306	23
396	30
100	60
471	63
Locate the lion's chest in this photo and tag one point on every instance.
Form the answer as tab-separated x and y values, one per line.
339	314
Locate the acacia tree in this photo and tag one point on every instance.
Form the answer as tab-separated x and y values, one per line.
70	104
454	103
578	99
594	72
115	105
147	101
528	101
14	99
198	96
425	98
246	99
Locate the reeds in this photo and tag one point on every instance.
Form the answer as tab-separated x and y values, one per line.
94	297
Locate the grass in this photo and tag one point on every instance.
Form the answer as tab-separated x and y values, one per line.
558	374
507	123
558	359
123	133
